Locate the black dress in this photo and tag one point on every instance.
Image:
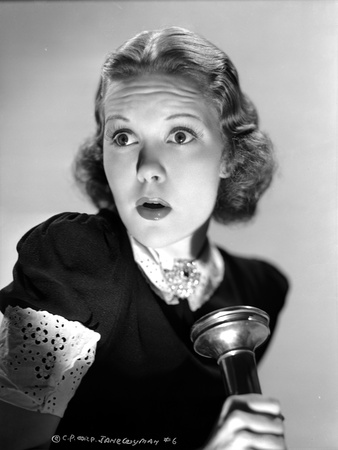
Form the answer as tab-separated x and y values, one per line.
147	384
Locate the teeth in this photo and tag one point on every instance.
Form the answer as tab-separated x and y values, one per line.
153	205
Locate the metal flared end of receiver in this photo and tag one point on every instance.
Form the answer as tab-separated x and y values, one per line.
229	329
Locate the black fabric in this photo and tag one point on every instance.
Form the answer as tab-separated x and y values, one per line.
146	381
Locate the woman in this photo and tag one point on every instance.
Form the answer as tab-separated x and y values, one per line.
95	336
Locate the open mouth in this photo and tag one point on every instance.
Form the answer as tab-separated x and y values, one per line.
152	208
153	205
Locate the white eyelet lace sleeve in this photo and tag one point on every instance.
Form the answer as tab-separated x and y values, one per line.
43	358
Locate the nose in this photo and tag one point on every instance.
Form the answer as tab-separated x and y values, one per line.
149	167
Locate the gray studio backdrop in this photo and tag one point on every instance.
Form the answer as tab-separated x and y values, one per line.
286	54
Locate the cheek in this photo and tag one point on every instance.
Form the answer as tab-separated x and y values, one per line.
202	175
113	174
115	165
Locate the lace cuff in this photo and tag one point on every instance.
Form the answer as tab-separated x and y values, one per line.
43	358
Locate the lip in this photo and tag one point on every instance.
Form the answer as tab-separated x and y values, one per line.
149	213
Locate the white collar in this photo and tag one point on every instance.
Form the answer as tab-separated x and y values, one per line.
204	274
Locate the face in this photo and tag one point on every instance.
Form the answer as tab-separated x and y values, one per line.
162	157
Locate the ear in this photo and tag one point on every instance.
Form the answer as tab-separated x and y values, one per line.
224	170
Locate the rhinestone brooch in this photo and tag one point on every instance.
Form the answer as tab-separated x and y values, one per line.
183	278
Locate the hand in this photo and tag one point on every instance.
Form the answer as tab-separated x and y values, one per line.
249	421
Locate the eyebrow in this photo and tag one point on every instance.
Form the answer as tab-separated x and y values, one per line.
117	117
172	116
175	116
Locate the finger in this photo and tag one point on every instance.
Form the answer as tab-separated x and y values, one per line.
257	423
265	405
250	402
248	440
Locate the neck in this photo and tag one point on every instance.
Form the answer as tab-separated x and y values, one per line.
187	248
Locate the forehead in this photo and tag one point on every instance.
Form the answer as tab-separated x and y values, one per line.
165	93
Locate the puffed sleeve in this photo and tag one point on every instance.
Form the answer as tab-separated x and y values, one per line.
275	292
262	285
272	289
64	266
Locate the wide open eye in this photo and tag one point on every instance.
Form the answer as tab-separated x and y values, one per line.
181	136
124	138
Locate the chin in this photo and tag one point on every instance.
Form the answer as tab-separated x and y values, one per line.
153	240
153	236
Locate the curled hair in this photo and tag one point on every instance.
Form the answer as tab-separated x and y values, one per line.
247	154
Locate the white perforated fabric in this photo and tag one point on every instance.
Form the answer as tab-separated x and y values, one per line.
43	358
